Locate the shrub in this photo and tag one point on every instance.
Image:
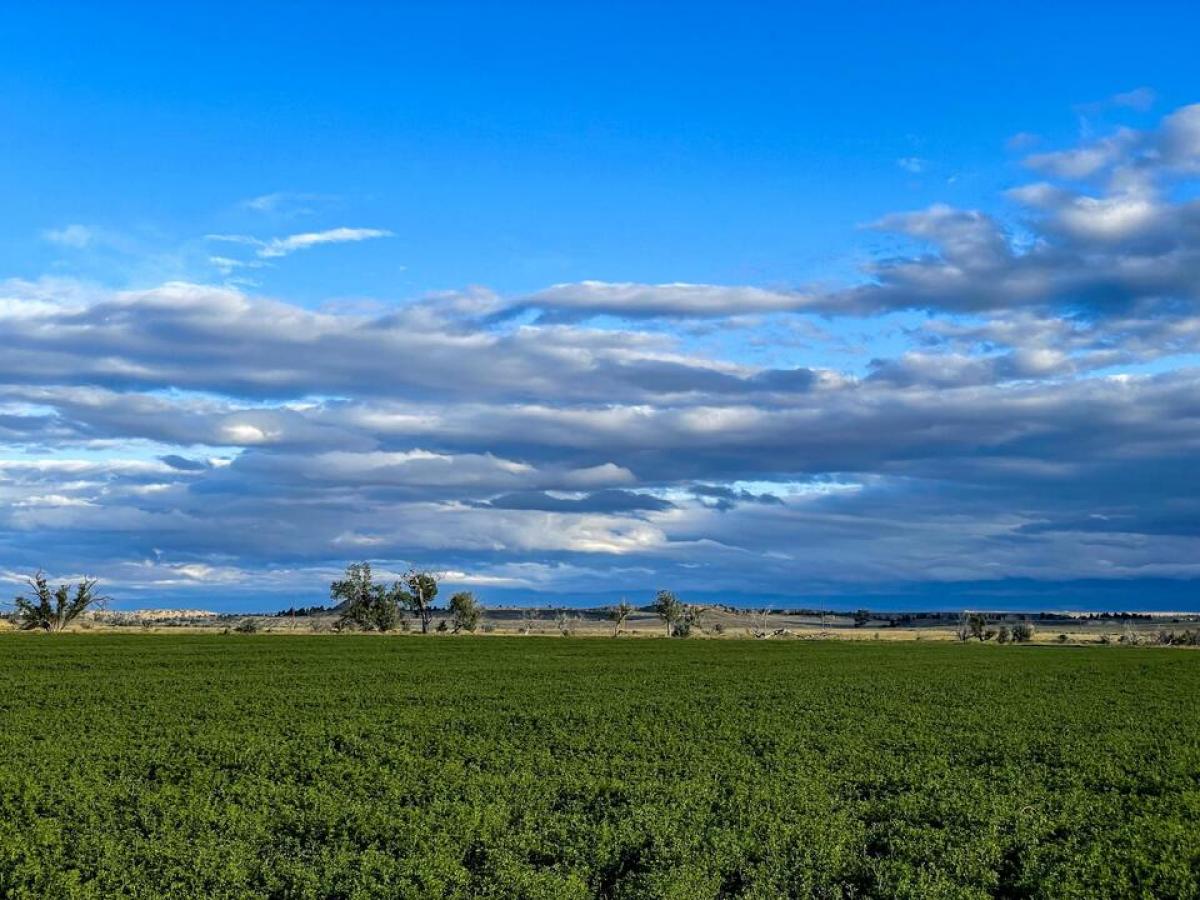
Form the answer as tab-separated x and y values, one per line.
1022	632
1130	637
247	626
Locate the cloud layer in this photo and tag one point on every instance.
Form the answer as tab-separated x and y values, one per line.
1041	421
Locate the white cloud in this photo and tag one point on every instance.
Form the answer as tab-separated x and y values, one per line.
283	246
273	248
75	236
1141	98
651	300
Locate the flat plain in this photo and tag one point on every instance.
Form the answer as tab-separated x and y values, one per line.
399	766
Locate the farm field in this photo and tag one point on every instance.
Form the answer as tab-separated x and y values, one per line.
356	766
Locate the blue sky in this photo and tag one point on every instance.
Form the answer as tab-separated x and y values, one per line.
768	302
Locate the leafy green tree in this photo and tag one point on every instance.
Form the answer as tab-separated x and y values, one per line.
365	604
465	611
669	608
54	610
417	593
618	614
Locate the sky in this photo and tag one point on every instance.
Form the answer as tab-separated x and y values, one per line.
891	305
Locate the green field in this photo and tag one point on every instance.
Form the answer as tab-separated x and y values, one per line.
231	766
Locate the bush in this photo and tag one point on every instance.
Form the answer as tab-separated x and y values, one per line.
247	626
1022	633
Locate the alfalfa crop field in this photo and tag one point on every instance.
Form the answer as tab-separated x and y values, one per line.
248	766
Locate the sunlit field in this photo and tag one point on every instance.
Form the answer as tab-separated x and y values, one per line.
355	766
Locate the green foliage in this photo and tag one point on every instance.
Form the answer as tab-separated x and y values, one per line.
54	609
669	608
149	766
465	611
692	617
417	593
365	604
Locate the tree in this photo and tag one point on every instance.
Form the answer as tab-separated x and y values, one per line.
1022	632
693	617
619	614
417	593
861	617
465	611
528	617
963	632
566	622
669	609
365	604
54	610
977	625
